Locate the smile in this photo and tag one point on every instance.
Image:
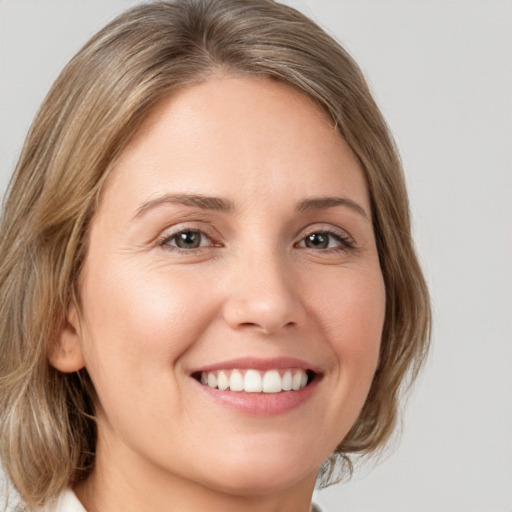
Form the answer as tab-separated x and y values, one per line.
259	387
256	381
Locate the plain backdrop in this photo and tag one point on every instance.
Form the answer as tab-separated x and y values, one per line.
441	71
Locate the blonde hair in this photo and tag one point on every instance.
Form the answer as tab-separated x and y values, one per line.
93	109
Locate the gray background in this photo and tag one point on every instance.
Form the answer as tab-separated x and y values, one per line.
442	73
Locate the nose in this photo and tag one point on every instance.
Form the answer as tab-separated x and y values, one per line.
264	296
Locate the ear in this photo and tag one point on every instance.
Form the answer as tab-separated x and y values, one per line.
66	353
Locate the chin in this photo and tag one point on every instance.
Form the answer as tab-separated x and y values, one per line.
265	471
256	481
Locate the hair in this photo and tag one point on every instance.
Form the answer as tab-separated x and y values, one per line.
94	108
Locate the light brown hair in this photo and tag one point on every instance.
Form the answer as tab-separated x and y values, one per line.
93	109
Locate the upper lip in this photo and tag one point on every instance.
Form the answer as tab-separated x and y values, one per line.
245	363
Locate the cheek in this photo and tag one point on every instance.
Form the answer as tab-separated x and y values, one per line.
138	324
351	313
347	305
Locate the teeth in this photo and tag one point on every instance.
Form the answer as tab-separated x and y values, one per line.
252	381
296	381
222	381
287	380
236	381
212	380
255	381
272	382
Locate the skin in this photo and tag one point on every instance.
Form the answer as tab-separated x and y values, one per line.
151	314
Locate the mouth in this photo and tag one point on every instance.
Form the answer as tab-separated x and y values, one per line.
259	387
253	380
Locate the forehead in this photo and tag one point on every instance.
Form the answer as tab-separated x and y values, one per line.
238	136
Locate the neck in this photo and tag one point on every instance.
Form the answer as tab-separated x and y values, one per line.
122	485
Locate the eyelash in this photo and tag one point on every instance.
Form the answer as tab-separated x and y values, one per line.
346	243
165	241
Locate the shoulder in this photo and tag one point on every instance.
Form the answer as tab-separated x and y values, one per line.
66	502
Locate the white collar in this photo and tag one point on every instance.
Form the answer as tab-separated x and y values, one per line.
68	502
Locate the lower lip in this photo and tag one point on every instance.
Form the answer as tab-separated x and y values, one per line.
261	404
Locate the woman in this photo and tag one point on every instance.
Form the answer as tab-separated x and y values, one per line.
209	292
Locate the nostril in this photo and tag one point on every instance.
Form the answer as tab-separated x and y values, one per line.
249	324
265	326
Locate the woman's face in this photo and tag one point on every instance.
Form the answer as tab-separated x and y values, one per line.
233	245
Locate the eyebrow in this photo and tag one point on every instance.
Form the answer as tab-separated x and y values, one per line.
319	203
194	200
224	205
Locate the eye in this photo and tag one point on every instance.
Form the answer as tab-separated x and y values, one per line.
321	240
187	239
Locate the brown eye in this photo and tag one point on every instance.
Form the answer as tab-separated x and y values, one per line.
188	239
317	241
326	240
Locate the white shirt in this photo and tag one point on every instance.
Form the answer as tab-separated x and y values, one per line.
68	502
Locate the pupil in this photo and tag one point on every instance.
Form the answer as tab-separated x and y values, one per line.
188	240
317	241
